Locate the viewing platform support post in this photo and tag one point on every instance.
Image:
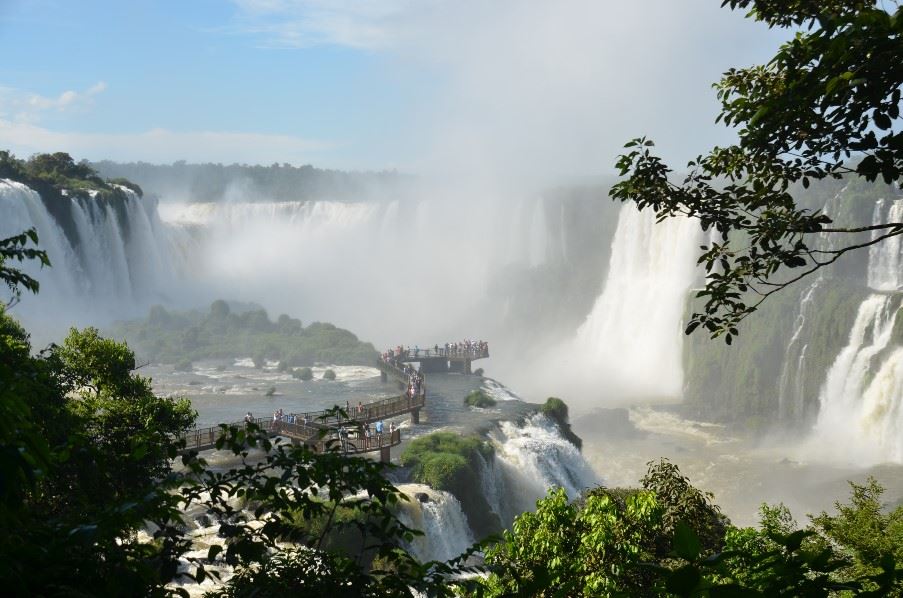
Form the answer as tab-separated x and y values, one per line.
384	455
383	377
415	416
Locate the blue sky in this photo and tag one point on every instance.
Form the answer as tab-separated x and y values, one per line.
506	86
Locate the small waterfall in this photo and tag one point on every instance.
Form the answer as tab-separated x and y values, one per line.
859	402
529	459
885	272
439	516
790	397
631	341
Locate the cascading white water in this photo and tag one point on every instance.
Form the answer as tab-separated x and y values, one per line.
530	458
630	344
441	519
21	209
859	416
885	272
117	260
790	399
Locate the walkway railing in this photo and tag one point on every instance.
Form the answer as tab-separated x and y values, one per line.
417	354
319	439
319	429
370	413
308	427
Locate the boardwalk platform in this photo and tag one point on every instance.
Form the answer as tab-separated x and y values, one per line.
319	429
434	361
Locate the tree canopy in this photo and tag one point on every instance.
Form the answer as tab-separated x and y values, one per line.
827	105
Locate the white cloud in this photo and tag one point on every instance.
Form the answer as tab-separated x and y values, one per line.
537	89
361	24
161	145
23	106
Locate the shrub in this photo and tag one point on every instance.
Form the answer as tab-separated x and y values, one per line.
556	409
449	461
329	375
478	398
219	309
303	374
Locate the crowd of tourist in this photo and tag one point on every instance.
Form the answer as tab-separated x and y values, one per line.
465	348
371	435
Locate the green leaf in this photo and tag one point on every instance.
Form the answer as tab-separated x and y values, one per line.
686	542
882	121
684	580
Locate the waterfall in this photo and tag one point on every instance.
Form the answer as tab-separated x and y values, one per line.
439	516
21	209
860	404
116	260
860	416
885	264
631	341
790	389
530	458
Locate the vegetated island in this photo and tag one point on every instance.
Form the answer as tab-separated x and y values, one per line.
227	331
57	175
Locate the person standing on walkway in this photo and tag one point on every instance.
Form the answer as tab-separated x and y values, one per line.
379	431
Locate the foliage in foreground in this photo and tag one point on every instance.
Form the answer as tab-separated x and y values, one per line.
85	470
826	106
16	248
86	473
667	538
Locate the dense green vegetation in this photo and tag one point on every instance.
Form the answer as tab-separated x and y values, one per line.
49	174
86	453
451	462
278	182
668	538
83	444
85	456
174	337
478	398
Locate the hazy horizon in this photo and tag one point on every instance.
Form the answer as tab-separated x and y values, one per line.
542	91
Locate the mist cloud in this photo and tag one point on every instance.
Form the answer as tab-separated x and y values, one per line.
538	90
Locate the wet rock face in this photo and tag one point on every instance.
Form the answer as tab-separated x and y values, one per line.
422	497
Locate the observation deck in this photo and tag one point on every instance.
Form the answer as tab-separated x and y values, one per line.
321	430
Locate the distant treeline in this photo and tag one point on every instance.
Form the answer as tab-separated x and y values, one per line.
277	182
